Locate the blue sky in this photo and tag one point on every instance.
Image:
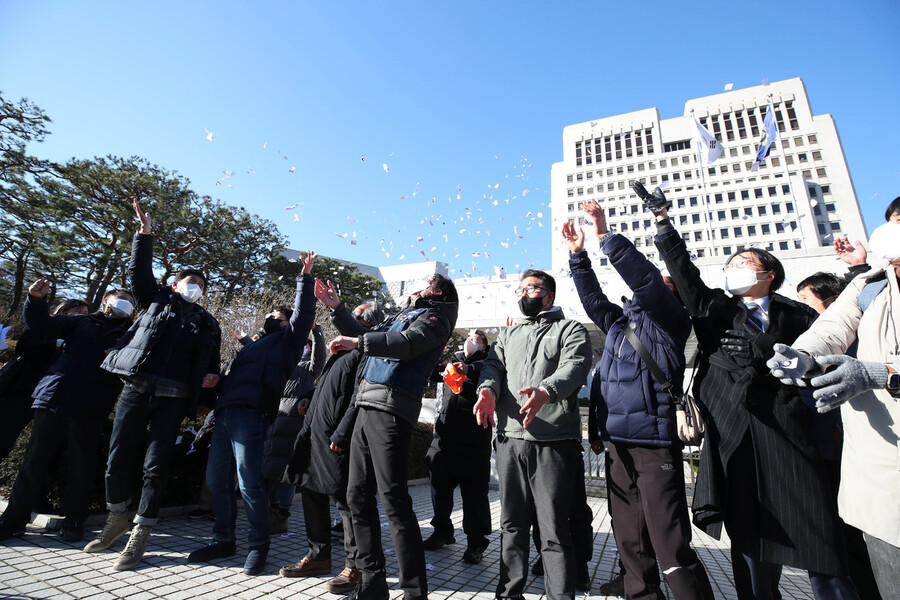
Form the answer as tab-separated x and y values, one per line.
453	97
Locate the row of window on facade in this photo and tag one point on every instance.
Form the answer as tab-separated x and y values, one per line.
625	144
736	126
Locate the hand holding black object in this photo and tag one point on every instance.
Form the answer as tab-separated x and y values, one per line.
656	201
737	344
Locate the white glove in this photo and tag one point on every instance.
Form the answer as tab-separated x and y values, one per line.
850	379
790	366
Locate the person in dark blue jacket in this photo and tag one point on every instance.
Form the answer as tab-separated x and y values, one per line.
71	404
245	409
644	466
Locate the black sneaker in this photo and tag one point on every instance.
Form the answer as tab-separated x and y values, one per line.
212	551
437	541
256	559
475	552
614	587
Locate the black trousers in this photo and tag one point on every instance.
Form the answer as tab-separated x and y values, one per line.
379	462
48	434
535	479
470	470
17	413
317	515
650	519
580	520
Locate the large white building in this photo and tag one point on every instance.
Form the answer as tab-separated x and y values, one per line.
799	200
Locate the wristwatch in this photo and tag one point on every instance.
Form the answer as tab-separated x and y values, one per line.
893	382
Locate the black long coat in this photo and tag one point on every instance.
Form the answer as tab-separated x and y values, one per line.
796	515
330	418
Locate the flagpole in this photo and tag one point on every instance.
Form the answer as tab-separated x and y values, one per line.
709	229
787	174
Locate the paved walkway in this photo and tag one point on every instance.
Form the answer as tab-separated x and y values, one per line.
42	566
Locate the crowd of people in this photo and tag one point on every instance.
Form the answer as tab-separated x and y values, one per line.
799	400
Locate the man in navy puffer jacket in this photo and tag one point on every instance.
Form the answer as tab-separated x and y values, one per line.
244	411
643	465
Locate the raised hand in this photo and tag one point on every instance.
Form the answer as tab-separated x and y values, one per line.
592	208
327	294
143	217
342	342
39	289
852	254
573	236
308	262
656	201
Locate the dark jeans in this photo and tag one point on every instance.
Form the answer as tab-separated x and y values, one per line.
48	434
650	519
379	460
471	472
317	515
580	522
238	444
531	475
135	411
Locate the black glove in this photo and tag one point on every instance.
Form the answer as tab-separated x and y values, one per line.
738	345
656	201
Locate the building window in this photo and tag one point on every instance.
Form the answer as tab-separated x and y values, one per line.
571	193
820	172
735	213
718	198
835	226
742	129
569	179
731	196
571	207
578	177
733	152
765	228
693	201
695	218
581	191
758	193
776	209
698	236
726	250
738	232
802	157
785	189
745	194
798	244
761	210
682	220
724	233
681	203
751	229
798	141
772	191
776	162
729	128
821	228
826	189
792	115
590	175
783	245
612	211
829	207
817	155
754	127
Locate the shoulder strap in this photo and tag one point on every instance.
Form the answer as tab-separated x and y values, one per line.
869	292
642	351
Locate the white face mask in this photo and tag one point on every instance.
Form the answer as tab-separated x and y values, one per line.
471	347
191	292
121	307
885	241
738	281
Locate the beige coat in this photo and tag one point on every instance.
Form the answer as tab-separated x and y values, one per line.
869	497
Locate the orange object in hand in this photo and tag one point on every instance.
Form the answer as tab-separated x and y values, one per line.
454	378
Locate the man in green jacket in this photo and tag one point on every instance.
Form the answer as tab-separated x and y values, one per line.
531	377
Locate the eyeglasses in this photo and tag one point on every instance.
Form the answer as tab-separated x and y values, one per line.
741	263
529	289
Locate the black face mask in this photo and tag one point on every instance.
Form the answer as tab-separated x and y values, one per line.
530	307
272	325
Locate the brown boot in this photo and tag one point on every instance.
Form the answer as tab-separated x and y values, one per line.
345	582
306	567
116	526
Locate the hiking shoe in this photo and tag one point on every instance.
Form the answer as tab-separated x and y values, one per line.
256	560
212	551
437	541
134	550
278	520
71	531
614	587
9	529
307	567
116	526
345	582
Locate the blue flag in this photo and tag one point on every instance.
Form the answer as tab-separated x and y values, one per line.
770	132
